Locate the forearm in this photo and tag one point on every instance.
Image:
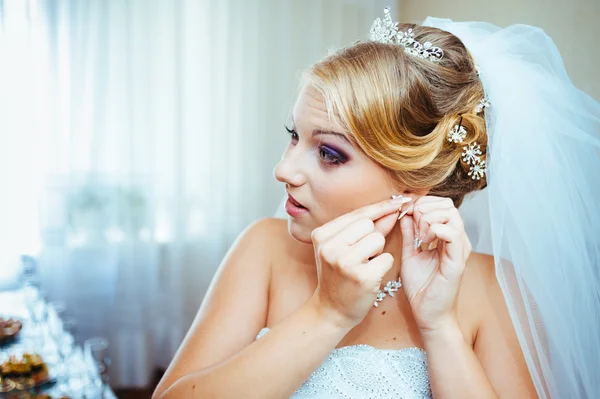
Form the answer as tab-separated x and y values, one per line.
272	367
454	370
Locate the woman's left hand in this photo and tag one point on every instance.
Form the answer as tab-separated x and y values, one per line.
431	277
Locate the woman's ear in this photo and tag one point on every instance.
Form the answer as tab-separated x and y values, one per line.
415	194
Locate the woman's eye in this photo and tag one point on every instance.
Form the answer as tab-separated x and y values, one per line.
330	156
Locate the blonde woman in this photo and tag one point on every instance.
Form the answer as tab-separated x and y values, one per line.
371	288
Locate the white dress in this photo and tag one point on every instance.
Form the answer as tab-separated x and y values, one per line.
362	371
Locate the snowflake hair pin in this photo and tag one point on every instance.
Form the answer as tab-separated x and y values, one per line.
471	153
483	103
457	134
478	170
386	31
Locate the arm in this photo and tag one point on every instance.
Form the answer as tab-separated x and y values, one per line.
219	358
495	366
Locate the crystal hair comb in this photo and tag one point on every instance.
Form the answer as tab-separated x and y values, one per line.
386	31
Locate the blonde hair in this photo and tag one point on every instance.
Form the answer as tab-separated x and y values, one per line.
399	109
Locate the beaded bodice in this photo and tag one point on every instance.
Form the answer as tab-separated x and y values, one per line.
362	371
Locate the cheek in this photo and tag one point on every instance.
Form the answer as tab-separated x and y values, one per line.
356	188
343	194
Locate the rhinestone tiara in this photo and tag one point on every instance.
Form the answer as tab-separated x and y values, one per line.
386	31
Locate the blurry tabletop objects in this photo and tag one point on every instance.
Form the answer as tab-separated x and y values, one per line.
45	341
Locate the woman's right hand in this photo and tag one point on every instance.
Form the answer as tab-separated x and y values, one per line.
350	262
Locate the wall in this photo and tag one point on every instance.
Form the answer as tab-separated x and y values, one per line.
573	25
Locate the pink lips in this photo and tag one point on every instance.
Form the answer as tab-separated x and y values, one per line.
294	208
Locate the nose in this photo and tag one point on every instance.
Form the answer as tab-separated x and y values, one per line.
288	171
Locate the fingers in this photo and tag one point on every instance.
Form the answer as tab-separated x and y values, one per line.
380	265
429	211
453	242
368	247
353	233
443	232
354	244
386	223
372	212
408	234
448	216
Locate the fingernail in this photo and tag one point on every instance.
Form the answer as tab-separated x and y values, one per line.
402	214
399	199
410	207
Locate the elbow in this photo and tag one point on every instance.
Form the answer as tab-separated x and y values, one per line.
181	388
159	393
164	392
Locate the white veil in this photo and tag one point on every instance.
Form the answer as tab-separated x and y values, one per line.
543	195
539	215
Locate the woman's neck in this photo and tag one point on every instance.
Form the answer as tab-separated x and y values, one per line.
393	245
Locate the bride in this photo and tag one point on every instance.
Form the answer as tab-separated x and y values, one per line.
372	288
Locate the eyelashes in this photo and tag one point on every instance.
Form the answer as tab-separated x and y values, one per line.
292	133
328	155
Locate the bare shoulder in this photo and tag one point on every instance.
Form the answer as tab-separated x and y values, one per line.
479	280
234	307
293	273
480	271
495	344
288	250
264	230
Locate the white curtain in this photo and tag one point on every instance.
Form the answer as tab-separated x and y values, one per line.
138	139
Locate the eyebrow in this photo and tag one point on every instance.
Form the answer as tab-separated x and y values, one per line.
318	132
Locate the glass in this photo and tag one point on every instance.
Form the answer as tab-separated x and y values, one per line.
30	274
35	306
31	294
65	345
58	308
96	354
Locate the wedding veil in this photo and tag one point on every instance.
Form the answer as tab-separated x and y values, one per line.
543	192
539	215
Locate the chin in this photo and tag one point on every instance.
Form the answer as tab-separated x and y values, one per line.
300	232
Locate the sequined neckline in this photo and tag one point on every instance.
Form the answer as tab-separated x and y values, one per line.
361	346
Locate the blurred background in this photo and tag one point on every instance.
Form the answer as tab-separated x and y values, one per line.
138	138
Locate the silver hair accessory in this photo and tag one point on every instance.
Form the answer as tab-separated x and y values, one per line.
478	170
483	103
471	153
386	31
457	134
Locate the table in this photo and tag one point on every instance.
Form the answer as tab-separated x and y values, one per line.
81	380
